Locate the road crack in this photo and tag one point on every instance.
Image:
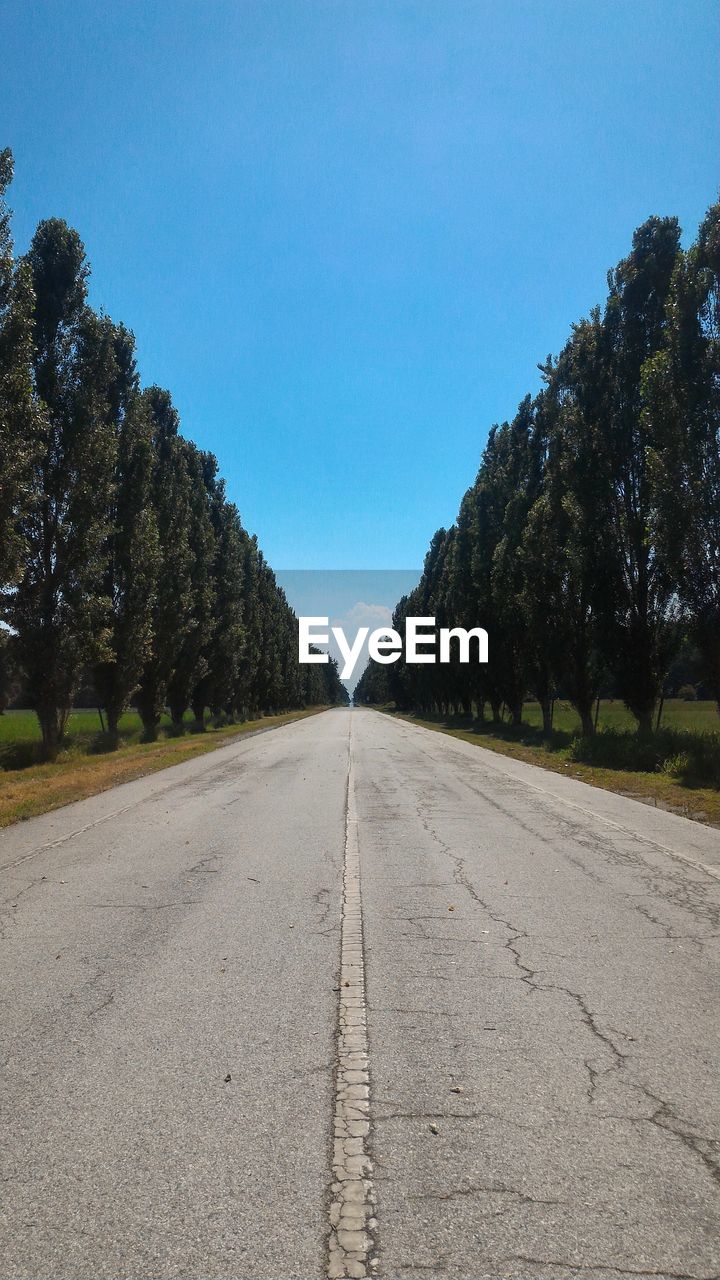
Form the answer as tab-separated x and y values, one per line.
493	1189
664	1117
599	1268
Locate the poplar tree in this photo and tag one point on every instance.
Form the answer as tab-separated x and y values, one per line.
541	563
56	607
641	635
682	389
567	540
191	662
131	552
173	599
18	410
485	530
508	478
225	643
464	606
267	683
243	696
432	591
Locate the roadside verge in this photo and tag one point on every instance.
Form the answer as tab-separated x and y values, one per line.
26	793
701	804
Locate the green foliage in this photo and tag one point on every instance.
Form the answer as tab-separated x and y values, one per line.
56	608
322	685
10	673
119	552
641	633
131	553
191	665
682	393
589	545
373	687
18	408
217	687
172	603
686	756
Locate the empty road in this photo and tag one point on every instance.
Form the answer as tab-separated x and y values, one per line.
353	998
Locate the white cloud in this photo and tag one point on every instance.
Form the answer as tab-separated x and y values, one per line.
364	615
361	614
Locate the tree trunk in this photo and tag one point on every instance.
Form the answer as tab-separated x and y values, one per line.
586	721
546	708
113	719
50	729
584	708
177	711
516	714
645	723
198	710
660	711
151	724
149	704
496	711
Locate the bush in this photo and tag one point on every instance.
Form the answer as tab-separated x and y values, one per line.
678	766
688	693
678	753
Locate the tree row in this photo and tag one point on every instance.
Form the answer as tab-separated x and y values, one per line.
119	550
589	545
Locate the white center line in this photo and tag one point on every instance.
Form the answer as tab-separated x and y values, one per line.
351	1246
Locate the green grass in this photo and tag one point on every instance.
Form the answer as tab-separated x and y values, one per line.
677	768
686	747
20	737
697	717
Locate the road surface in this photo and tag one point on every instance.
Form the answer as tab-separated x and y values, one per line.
360	996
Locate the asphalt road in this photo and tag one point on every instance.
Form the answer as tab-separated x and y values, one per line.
539	1012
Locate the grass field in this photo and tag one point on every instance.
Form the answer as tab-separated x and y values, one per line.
677	768
29	787
20	737
696	717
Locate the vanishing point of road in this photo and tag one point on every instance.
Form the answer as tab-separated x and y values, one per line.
355	998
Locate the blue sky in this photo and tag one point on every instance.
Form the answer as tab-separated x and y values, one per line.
345	233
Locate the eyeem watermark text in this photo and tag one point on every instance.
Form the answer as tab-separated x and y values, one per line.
385	644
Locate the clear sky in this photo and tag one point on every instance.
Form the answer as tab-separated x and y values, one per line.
345	231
